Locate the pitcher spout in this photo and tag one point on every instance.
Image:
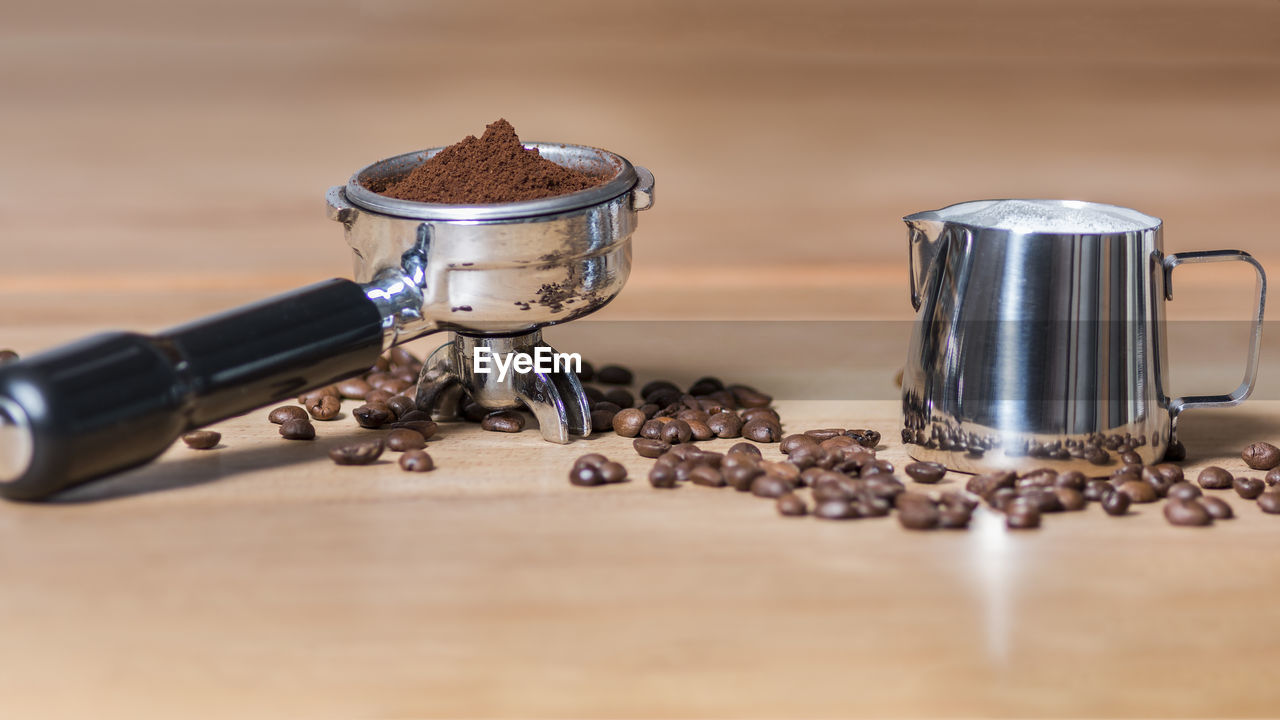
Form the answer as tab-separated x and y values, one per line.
925	232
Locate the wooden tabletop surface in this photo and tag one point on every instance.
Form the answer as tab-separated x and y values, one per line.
164	161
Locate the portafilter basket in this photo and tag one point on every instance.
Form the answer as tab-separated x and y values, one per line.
494	275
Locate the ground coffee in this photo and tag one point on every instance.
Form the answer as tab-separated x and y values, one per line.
493	168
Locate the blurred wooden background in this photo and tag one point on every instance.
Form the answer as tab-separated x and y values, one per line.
162	160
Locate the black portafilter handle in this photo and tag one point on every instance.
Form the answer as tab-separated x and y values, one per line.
117	400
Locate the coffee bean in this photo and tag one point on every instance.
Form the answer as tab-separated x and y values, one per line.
760	413
835	509
646	447
749	397
620	397
416	461
426	428
401	405
1094	489
1115	502
866	438
506	421
612	472
361	453
1187	513
1249	488
1272	477
594	460
1214	478
8	356
662	476
1217	507
287	412
1097	456
1176	452
585	476
1073	479
402	440
602	420
741	477
325	407
473	411
701	431
606	406
1184	491
927	473
377	397
676	431
614	375
821	434
654	387
1269	501
706	475
1138	491
1159	482
594	395
917	514
1021	515
587	372
1046	500
782	470
761	431
1261	456
1000	499
1169	471
627	423
790	505
791	443
1131	458
954	518
401	356
744	448
297	430
354	389
314	395
725	425
769	486
373	415
395	385
202	439
1070	499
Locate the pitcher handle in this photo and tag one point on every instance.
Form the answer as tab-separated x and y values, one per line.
1237	396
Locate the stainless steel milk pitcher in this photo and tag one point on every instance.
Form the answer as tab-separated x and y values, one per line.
1040	336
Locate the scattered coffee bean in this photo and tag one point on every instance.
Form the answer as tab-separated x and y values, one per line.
1176	452
769	486
314	395
1261	456
297	430
426	428
614	375
373	415
744	448
354	389
1073	479
749	397
706	475
620	397
401	405
361	453
1131	458
377	397
675	432
416	461
925	472
627	423
402	439
646	447
325	407
866	438
1214	478
954	518
790	505
835	509
602	420
1249	488
287	412
1269	502
8	356
202	439
1070	499
1187	513
587	372
1273	477
725	424
918	513
761	431
1217	507
658	386
613	472
1184	491
1094	490
507	421
792	443
1115	502
663	476
1138	491
1021	515
700	430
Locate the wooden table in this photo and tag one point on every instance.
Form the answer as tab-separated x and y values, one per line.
163	163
